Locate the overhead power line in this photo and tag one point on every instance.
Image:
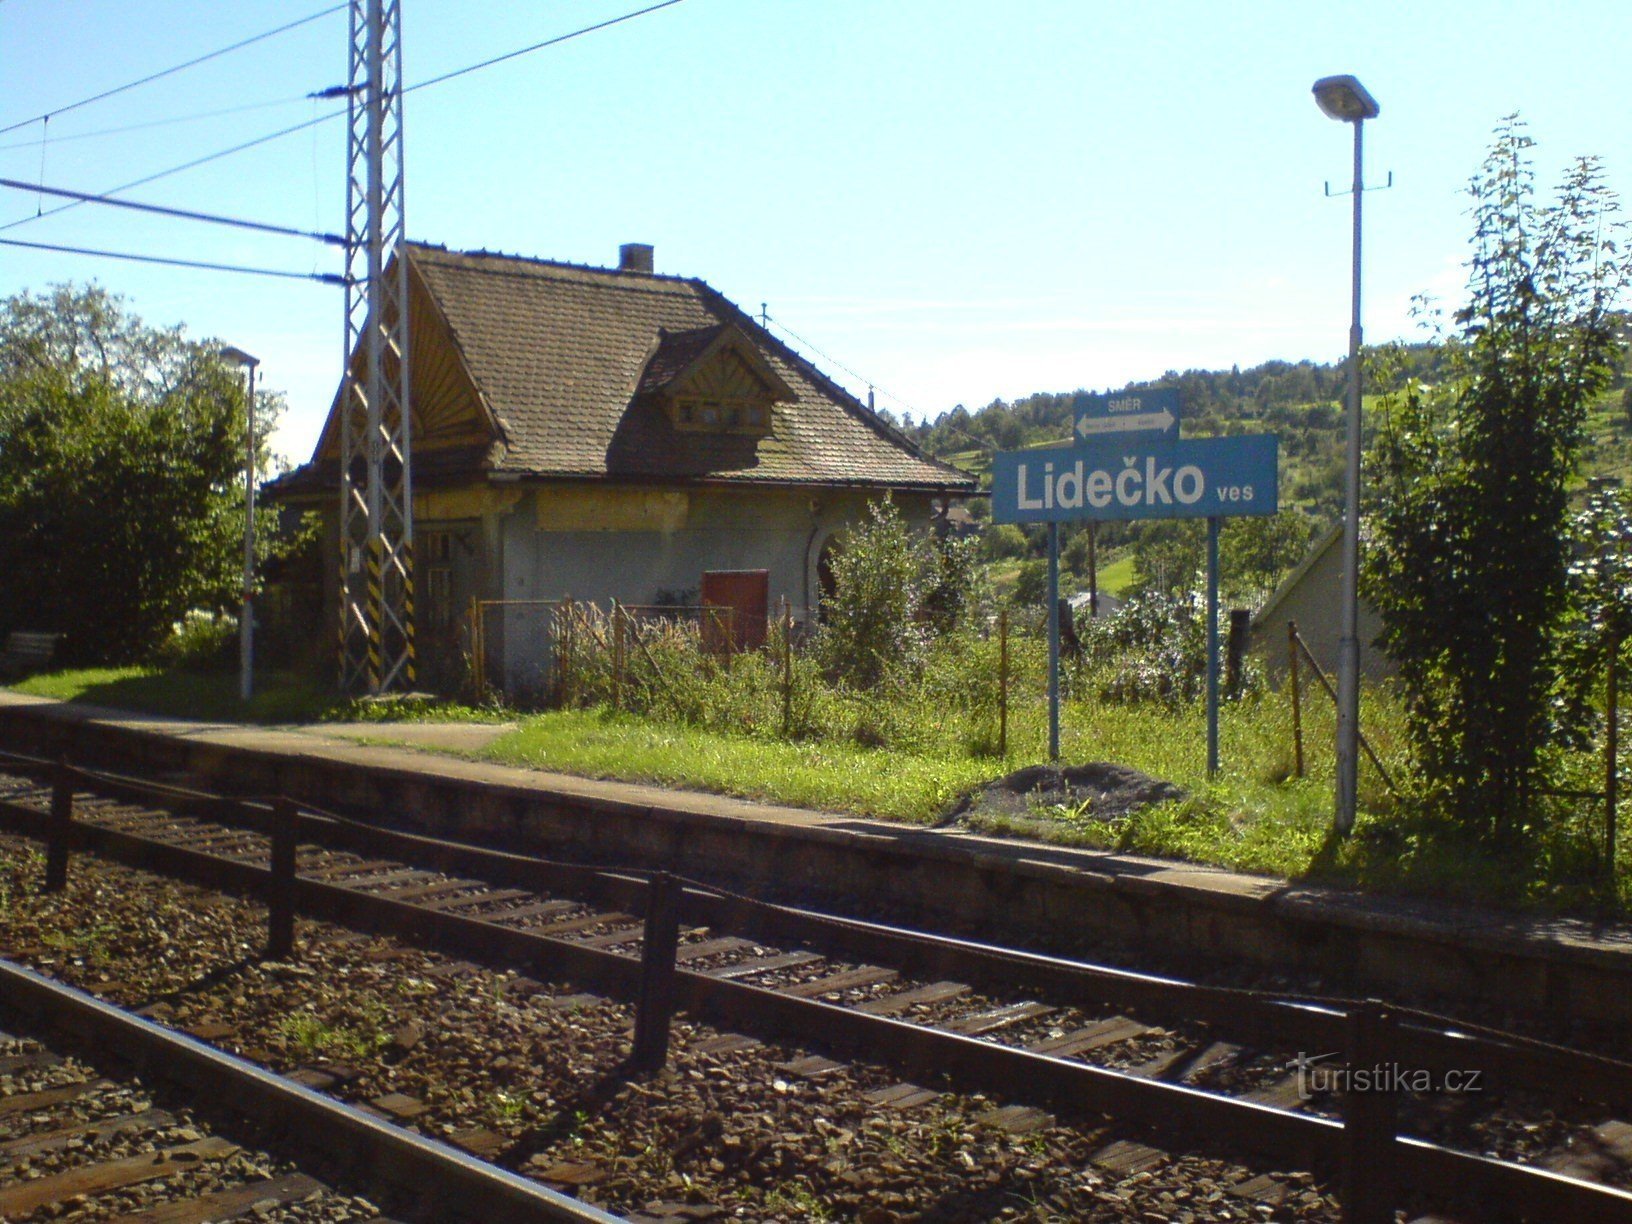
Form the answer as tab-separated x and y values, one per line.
192	63
197	161
834	361
325	278
185	214
170	121
335	114
539	46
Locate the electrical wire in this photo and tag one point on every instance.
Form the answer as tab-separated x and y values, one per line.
157	123
834	361
539	46
197	161
309	123
326	278
185	214
119	89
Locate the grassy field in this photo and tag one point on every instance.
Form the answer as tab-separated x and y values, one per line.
213	697
1255	816
1116	577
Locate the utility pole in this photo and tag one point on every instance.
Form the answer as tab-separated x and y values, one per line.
376	637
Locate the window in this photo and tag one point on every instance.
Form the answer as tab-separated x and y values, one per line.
722	415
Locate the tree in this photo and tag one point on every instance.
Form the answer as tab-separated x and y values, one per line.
893	588
1256	551
873	621
1469	570
1170	557
121	460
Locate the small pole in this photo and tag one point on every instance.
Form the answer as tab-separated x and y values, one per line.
1235	650
563	648
62	827
1369	1173
280	908
246	615
1212	647
787	668
618	650
1003	683
1612	736
1297	699
656	1005
1093	570
1053	641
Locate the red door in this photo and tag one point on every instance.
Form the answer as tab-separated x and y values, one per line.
735	604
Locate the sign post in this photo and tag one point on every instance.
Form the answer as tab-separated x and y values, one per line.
1212	646
1053	641
1129	463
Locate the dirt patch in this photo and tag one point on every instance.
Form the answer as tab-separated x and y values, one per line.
1099	791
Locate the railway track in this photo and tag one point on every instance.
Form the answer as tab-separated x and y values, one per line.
84	1136
1207	1066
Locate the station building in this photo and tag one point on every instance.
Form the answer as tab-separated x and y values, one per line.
613	434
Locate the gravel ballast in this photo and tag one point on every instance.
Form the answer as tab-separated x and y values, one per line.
529	1074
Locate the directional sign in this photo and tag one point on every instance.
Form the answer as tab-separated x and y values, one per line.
1132	414
1137	479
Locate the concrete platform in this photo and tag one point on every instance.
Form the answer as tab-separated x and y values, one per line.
1044	896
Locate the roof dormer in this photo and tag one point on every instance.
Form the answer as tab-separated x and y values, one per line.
713	380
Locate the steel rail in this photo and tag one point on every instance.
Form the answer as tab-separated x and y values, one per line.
460	1186
1433	1043
1173	1112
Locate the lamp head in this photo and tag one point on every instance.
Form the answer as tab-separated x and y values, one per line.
238	357
1344	98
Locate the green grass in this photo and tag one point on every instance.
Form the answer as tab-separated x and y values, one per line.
1254	817
182	694
213	696
1277	823
1116	576
862	781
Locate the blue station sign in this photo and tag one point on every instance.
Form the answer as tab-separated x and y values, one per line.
1138	479
1130	414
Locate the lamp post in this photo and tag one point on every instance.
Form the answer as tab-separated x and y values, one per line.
246	615
1343	98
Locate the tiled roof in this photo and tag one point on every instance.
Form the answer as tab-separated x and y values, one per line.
559	353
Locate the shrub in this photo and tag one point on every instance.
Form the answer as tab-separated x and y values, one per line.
874	623
199	642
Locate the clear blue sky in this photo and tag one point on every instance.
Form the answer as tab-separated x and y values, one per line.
958	200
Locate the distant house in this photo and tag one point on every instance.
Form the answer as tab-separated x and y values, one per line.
613	434
1311	596
1108	604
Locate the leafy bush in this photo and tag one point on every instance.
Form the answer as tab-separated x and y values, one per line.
1153	650
1470	572
873	619
200	642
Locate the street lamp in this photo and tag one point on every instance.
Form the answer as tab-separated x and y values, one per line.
246	617
1343	98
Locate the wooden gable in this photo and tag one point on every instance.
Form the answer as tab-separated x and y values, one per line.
448	408
726	387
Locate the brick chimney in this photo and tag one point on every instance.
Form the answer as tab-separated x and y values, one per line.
635	257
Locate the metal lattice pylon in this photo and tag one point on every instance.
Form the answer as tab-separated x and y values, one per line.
376	485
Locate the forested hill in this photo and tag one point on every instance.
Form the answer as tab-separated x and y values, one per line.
1301	402
1274	395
